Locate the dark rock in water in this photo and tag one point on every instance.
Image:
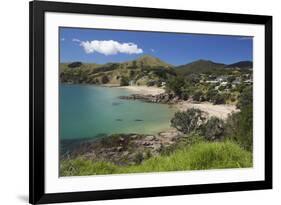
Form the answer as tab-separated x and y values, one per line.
116	103
119	120
161	98
138	120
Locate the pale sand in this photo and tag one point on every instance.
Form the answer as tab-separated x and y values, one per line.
145	90
220	111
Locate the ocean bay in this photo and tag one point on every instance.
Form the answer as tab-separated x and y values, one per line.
88	111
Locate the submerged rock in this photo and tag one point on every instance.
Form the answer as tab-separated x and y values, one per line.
116	103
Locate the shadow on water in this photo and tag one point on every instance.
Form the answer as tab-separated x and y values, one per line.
116	103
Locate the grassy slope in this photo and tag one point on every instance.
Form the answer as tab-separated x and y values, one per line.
201	156
145	66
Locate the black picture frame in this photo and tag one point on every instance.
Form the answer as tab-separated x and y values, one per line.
37	11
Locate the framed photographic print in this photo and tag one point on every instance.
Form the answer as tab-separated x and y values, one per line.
140	102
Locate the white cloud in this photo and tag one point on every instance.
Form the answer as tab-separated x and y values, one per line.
76	40
109	47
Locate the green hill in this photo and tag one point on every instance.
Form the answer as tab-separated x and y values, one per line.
147	61
146	70
241	65
200	66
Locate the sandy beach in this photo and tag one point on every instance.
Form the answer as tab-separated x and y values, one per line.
145	90
220	111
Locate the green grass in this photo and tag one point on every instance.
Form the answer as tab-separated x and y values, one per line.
201	156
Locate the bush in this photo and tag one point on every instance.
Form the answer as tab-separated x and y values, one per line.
211	93
150	83
188	121
138	158
213	129
231	78
246	98
197	96
185	95
239	127
104	79
218	99
124	81
175	85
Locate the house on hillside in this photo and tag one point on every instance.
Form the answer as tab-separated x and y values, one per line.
221	78
212	81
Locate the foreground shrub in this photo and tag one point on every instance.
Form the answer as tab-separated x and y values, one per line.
213	129
188	121
239	127
246	98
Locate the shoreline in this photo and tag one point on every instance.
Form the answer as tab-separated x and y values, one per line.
123	149
144	90
221	111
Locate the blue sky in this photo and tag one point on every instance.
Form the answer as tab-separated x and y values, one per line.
103	46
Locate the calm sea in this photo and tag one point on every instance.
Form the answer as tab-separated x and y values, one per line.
88	111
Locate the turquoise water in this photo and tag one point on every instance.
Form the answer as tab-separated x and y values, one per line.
88	111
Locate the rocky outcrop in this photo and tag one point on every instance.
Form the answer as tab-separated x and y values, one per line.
125	149
161	98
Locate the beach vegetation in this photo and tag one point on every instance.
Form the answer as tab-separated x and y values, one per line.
124	81
188	121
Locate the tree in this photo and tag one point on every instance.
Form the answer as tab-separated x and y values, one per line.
188	121
246	98
231	78
124	81
211	93
175	85
150	83
239	127
104	79
185	94
218	99
213	129
197	96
